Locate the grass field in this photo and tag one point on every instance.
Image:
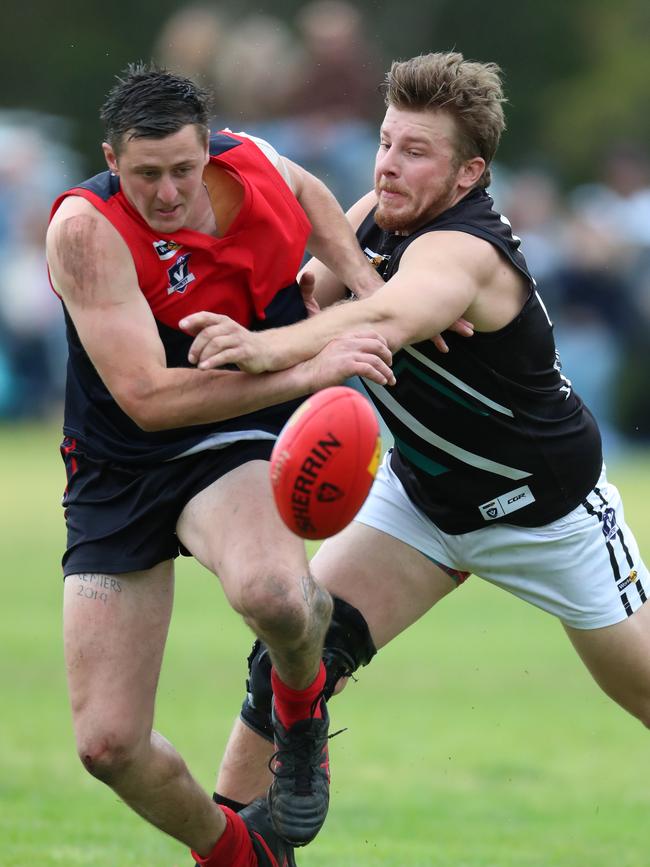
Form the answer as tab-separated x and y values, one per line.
476	740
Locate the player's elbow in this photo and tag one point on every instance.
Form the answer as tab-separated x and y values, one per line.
149	421
149	416
399	328
389	324
139	399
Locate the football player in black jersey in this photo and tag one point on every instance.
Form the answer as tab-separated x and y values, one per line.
497	467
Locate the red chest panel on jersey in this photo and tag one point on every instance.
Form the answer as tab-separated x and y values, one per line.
238	274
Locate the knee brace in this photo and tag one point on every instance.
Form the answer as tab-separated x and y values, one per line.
347	645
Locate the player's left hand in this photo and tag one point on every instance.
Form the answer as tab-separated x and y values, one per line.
460	326
307	284
219	340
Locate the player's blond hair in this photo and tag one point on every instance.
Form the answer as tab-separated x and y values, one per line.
471	91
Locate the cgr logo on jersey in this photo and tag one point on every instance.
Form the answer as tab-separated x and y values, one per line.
507	503
166	249
179	275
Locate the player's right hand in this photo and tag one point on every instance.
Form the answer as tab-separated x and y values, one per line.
359	353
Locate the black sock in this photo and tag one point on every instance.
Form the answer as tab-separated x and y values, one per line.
228	802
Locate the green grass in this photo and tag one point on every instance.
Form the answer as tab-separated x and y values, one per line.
475	740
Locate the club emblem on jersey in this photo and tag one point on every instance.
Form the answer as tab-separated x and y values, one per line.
375	259
166	249
610	528
179	275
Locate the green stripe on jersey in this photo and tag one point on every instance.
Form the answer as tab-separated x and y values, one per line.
405	364
424	463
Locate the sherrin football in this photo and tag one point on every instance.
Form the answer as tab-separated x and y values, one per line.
324	462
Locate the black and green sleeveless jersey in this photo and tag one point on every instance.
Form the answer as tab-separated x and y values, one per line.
492	430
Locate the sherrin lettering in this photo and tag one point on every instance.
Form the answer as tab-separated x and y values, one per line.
324	462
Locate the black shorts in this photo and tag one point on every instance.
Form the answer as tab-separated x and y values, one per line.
121	518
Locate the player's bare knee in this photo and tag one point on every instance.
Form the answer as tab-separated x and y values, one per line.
278	616
108	757
285	607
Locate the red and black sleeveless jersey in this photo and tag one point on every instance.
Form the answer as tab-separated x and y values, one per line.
492	430
247	274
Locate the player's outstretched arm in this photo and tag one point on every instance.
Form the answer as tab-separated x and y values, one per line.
93	271
439	278
324	288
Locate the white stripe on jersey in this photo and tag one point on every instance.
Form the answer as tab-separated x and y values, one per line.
543	306
429	436
462	386
222	439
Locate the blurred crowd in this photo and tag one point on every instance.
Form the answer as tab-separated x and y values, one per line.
310	87
35	165
589	249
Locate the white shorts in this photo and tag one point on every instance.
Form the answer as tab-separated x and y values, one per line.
584	568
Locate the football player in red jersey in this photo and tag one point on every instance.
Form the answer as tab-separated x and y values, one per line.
163	458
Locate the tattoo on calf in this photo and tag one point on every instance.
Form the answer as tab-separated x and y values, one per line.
94	586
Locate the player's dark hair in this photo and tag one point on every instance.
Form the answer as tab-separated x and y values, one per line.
151	102
469	90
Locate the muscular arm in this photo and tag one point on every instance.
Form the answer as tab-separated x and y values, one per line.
319	283
92	269
430	291
442	276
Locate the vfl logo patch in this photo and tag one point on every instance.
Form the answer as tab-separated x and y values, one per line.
610	527
166	249
179	275
507	503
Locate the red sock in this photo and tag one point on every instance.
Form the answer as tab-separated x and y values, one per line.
233	848
292	705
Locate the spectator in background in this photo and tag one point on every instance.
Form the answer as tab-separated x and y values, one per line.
335	105
34	166
581	255
534	206
618	206
311	93
36	346
189	42
604	285
592	320
619	202
314	96
256	70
